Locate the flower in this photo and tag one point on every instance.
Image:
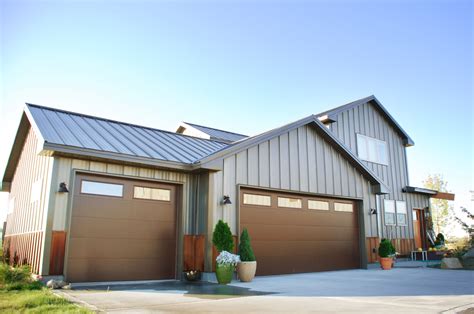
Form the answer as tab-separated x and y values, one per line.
226	258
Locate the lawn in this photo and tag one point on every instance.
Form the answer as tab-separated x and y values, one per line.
36	301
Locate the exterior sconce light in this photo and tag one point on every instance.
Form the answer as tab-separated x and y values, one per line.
63	188
226	200
373	211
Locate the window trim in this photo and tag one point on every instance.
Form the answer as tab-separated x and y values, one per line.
367	139
150	199
97	194
319	200
394	213
405	213
256	194
290	198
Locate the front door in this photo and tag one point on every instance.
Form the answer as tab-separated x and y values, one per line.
418	227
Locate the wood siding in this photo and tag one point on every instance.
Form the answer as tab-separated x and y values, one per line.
298	161
29	195
367	120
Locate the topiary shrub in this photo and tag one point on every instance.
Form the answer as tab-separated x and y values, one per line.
245	249
222	237
386	248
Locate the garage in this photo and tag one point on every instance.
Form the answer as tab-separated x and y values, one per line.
121	229
294	233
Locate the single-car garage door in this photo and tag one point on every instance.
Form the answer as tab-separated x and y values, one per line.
121	230
293	233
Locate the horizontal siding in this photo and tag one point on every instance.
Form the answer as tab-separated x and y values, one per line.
298	161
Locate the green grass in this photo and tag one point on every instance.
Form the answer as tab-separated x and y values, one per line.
36	301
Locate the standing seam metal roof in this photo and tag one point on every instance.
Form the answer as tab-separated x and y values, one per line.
87	132
218	134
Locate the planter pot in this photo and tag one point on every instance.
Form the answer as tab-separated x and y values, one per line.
246	270
386	263
224	273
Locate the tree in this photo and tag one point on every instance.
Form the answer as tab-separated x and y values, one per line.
245	249
467	226
439	207
222	237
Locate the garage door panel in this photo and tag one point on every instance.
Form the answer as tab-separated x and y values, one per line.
281	216
289	240
113	238
119	269
121	228
105	207
300	233
121	248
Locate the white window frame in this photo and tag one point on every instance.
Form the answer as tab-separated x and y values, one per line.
372	149
118	193
392	212
401	208
249	197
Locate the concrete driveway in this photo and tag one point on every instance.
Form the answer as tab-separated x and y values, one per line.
407	290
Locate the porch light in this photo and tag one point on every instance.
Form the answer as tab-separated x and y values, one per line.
63	188
226	200
373	211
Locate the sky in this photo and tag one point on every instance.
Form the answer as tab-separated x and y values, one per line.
248	66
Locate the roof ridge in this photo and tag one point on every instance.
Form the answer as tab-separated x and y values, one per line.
368	98
119	122
207	127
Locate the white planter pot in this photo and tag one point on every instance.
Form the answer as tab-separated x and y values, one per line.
246	270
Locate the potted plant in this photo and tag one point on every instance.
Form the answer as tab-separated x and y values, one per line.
386	251
223	241
248	266
225	267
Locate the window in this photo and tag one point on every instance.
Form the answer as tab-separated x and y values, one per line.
371	149
319	205
389	209
402	213
289	202
343	207
151	193
255	199
101	188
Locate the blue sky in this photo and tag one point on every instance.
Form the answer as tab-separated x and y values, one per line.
248	66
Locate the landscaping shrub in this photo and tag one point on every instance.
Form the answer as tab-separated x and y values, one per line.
439	239
386	248
245	249
222	237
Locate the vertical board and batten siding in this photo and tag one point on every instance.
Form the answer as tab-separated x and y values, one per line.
298	161
367	120
24	232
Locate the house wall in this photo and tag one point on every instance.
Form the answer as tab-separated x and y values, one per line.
60	204
297	161
29	196
367	120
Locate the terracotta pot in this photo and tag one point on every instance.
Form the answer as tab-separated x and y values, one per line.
224	273
246	270
386	263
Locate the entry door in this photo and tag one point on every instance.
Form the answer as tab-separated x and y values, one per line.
418	227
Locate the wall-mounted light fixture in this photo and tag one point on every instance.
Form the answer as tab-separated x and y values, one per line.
226	200
63	188
373	211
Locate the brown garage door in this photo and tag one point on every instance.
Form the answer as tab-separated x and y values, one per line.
294	234
121	230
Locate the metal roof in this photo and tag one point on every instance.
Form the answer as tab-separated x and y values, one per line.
64	128
218	135
331	115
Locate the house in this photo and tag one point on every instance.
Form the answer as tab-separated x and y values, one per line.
93	199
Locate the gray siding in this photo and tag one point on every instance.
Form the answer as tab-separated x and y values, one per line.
298	161
367	120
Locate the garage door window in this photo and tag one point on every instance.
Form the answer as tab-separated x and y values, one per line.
289	202
255	199
101	188
151	193
318	205
343	207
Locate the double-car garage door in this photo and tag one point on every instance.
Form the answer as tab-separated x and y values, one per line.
121	230
297	233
